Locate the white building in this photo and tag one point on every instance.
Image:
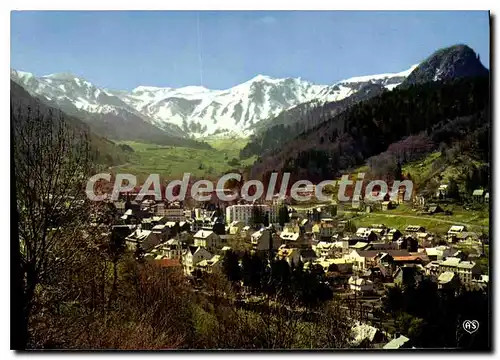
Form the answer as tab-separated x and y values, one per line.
466	270
207	239
172	249
244	213
261	240
146	239
174	214
192	256
360	284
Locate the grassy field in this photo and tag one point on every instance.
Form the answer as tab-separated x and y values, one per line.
476	220
172	162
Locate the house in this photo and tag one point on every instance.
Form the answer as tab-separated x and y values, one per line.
341	225
184	226
235	227
263	240
478	195
225	239
454	232
144	239
401	195
392	235
432	268
133	216
122	231
383	267
408	275
414	229
434	209
447	281
172	226
291	234
419	200
307	255
291	255
378	231
368	234
408	259
439	252
245	231
325	249
192	256
461	255
210	265
338	265
305	226
484	279
200	223
468	237
323	231
360	285
245	212
173	213
366	335
442	191
425	239
158	220
162	230
146	223
401	342
185	237
407	243
466	270
172	249
360	245
207	239
364	259
387	205
382	246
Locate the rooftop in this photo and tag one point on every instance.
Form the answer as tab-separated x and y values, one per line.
396	343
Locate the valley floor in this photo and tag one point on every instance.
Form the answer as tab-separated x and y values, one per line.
172	162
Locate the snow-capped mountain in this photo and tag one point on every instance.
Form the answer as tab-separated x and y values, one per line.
348	87
201	111
66	87
192	110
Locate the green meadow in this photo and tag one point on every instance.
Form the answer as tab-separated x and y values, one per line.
171	162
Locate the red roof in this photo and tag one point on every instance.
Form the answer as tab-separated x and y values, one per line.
407	258
168	262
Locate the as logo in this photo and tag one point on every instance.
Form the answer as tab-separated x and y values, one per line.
471	326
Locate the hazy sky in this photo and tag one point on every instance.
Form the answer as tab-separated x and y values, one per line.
121	50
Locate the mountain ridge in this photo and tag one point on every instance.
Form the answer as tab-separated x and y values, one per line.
194	111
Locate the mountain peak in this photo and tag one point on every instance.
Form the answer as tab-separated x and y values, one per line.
261	77
446	64
61	76
21	74
142	88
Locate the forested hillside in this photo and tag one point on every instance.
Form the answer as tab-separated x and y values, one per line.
370	127
272	134
23	105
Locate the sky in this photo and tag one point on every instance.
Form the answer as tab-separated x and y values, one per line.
218	50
